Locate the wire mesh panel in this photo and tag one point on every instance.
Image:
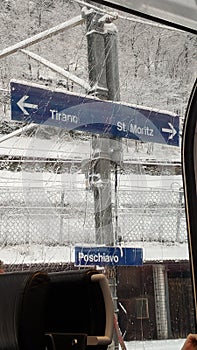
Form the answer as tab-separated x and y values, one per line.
45	216
152	215
63	217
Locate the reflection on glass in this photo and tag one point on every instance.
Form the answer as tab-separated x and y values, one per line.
142	308
114	180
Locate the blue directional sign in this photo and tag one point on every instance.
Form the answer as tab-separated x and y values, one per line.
110	256
33	103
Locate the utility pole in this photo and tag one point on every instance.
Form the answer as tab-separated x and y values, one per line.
106	151
104	82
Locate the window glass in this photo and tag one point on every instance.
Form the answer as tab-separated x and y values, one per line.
91	119
142	308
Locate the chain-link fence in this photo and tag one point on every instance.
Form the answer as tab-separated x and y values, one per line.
152	215
66	216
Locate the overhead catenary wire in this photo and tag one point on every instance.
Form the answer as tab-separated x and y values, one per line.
104	11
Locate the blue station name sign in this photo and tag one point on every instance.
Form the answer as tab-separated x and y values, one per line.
110	256
36	104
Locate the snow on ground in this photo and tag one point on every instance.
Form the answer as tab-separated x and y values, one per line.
78	149
41	179
155	251
174	344
143	182
35	253
77	180
35	147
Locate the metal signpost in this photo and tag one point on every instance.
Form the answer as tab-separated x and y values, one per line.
110	256
37	104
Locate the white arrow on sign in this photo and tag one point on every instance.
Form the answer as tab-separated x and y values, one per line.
171	131
22	105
